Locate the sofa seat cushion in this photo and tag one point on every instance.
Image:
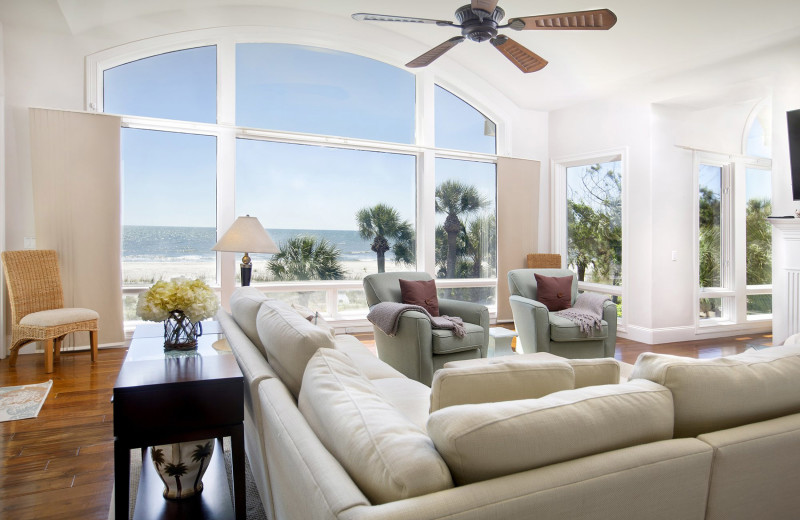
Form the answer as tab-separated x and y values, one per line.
508	380
387	456
411	397
445	342
720	393
290	341
562	329
245	303
484	441
367	362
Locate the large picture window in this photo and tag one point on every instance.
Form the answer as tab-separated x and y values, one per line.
324	151
353	211
317	91
734	269
589	230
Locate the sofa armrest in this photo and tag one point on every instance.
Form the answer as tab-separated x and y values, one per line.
532	321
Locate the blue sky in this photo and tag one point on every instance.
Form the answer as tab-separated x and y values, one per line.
170	178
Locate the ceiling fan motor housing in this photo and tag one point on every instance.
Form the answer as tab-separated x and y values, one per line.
478	29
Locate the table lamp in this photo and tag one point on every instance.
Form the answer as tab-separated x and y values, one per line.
249	236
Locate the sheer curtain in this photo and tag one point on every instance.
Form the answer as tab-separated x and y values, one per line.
75	163
517	222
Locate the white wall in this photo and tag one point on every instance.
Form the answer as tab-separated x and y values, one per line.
705	109
614	124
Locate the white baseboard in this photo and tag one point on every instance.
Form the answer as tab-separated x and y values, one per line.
691	333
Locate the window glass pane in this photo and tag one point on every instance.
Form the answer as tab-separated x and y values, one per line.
320	91
710	180
352	303
594	222
759	304
176	85
758	229
314	300
482	295
169	184
466	229
710	308
460	127
336	214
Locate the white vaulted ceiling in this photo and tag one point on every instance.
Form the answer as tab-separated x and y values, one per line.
651	43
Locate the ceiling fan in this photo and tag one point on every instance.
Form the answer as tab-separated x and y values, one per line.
480	21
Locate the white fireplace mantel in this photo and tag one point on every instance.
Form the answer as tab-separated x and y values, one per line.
785	278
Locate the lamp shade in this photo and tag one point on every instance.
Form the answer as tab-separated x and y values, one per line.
246	235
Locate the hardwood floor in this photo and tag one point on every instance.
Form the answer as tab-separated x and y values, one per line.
60	464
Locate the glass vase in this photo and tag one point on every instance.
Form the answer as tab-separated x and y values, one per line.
180	333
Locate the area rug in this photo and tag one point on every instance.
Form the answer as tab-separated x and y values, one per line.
24	401
255	509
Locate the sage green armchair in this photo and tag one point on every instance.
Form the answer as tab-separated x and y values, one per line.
417	350
542	331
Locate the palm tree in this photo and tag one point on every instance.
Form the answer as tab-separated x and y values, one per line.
201	453
177	471
457	200
157	454
305	257
382	223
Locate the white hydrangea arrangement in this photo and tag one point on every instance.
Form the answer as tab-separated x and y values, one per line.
196	299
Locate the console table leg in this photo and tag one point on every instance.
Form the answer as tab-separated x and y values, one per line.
122	481
238	462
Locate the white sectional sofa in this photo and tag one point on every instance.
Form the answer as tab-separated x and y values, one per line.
334	433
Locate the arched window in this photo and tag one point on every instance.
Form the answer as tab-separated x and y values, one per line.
322	146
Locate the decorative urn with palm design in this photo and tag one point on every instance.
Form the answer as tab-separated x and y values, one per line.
181	466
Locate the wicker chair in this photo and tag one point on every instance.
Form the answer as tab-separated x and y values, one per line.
37	305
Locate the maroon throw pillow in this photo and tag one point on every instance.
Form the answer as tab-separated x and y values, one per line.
554	291
422	293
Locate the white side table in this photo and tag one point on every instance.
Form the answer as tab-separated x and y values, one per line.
500	341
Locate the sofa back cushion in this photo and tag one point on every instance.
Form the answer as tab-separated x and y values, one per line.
245	303
484	441
290	341
720	393
504	381
385	454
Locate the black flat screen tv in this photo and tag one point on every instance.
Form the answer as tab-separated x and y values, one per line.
793	125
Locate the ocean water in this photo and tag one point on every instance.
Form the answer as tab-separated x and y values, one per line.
193	244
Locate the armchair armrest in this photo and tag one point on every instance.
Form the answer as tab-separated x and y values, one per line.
474	313
532	321
467	311
410	350
610	317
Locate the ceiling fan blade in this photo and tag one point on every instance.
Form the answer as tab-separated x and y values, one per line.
598	19
525	60
428	57
391	18
485	6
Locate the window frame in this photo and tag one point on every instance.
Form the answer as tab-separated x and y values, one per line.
558	230
733	253
226	133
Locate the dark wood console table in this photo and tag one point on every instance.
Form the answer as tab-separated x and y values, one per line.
167	397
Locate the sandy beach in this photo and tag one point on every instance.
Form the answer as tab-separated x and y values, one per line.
147	273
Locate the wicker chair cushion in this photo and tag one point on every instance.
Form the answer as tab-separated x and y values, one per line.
56	317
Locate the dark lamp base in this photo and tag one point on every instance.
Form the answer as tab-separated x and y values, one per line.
246	270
